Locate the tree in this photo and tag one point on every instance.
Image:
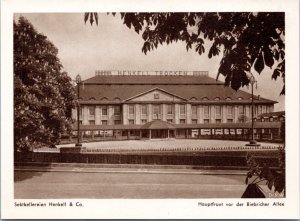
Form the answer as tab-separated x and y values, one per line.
244	40
43	94
258	172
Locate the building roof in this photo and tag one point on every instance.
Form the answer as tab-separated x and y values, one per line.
151	79
118	89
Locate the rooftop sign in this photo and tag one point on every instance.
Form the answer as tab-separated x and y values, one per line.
148	73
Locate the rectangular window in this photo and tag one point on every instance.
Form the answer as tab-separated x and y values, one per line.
143	121
92	110
218	121
229	120
131	121
104	110
131	108
144	109
194	121
206	121
254	109
92	122
117	110
170	120
104	122
116	122
263	108
182	109
182	121
241	110
206	111
229	110
156	109
194	110
169	109
259	110
218	112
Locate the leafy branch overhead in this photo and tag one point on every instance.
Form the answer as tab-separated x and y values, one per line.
244	40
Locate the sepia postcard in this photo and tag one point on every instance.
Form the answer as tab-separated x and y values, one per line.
148	109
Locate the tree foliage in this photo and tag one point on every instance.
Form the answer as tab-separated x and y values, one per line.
244	40
43	94
275	179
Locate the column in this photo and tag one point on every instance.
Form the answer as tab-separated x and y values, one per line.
200	113
188	113
212	114
125	113
149	112
224	113
85	115
176	115
97	115
110	113
164	112
236	114
248	113
137	114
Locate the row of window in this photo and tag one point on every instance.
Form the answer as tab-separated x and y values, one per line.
143	121
104	110
157	109
104	122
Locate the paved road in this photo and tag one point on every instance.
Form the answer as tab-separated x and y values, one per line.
126	184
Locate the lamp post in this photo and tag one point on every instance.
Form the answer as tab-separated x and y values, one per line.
78	81
252	142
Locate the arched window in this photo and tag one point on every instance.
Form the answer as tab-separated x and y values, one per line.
205	99
117	99
104	99
193	99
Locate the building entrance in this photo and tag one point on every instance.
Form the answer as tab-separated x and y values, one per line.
158	134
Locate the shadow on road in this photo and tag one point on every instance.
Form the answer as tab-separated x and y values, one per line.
24	175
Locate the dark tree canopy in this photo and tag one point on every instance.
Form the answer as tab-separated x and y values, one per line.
244	40
43	94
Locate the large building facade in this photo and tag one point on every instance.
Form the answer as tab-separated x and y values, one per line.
163	104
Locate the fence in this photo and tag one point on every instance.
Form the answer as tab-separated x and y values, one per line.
159	149
205	158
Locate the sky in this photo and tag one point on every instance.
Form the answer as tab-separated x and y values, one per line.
111	45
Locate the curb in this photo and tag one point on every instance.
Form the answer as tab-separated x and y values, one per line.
77	170
129	168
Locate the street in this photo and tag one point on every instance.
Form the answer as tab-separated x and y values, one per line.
130	184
